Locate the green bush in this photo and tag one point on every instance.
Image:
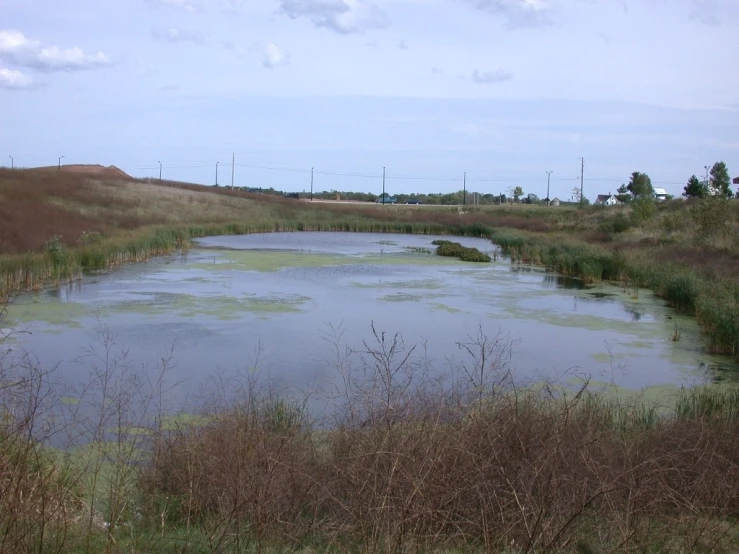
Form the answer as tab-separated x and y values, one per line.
456	250
473	255
643	209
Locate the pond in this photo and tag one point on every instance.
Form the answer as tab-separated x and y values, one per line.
280	300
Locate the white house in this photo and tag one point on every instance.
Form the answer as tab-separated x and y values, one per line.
606	200
660	194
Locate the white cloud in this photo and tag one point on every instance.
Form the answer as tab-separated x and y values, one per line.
17	49
341	16
491	77
519	13
231	7
178	35
15	80
274	56
706	12
176	4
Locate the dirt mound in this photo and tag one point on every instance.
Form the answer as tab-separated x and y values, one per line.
109	172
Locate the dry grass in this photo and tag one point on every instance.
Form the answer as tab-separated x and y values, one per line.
36	205
477	466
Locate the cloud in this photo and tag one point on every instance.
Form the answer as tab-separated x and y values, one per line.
519	13
17	49
178	35
169	88
341	16
436	71
274	56
403	45
706	12
15	80
186	5
491	77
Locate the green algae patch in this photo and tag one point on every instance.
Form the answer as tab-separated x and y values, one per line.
225	308
401	297
52	312
637	344
266	261
427	284
438	306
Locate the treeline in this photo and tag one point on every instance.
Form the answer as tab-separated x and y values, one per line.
440	199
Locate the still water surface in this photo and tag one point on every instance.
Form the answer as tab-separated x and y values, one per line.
282	294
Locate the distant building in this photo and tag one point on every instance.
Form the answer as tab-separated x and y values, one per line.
660	194
554	202
606	200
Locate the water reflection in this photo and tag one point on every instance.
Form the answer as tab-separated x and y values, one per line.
562	282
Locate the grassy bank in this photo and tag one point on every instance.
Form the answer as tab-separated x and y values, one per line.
710	297
401	464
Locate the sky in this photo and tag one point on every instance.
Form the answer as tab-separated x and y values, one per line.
502	90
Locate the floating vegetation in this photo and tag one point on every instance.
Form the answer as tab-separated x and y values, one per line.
402	297
418	250
456	250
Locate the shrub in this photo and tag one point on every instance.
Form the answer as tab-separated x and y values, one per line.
456	250
713	216
643	209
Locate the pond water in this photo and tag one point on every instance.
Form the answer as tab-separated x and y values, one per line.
280	295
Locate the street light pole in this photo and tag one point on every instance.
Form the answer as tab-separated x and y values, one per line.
60	162
549	175
383	185
706	181
217	173
160	170
464	189
311	184
12	162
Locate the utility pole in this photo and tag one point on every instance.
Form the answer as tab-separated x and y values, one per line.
160	170
464	189
217	173
233	167
383	185
582	179
60	162
12	162
549	174
707	185
311	184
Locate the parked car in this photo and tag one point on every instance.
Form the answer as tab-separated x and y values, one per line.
386	200
413	201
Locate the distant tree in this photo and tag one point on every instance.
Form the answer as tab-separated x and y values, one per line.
576	194
694	188
623	195
517	193
640	185
720	182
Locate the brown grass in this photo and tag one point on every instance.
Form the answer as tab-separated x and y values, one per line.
480	466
